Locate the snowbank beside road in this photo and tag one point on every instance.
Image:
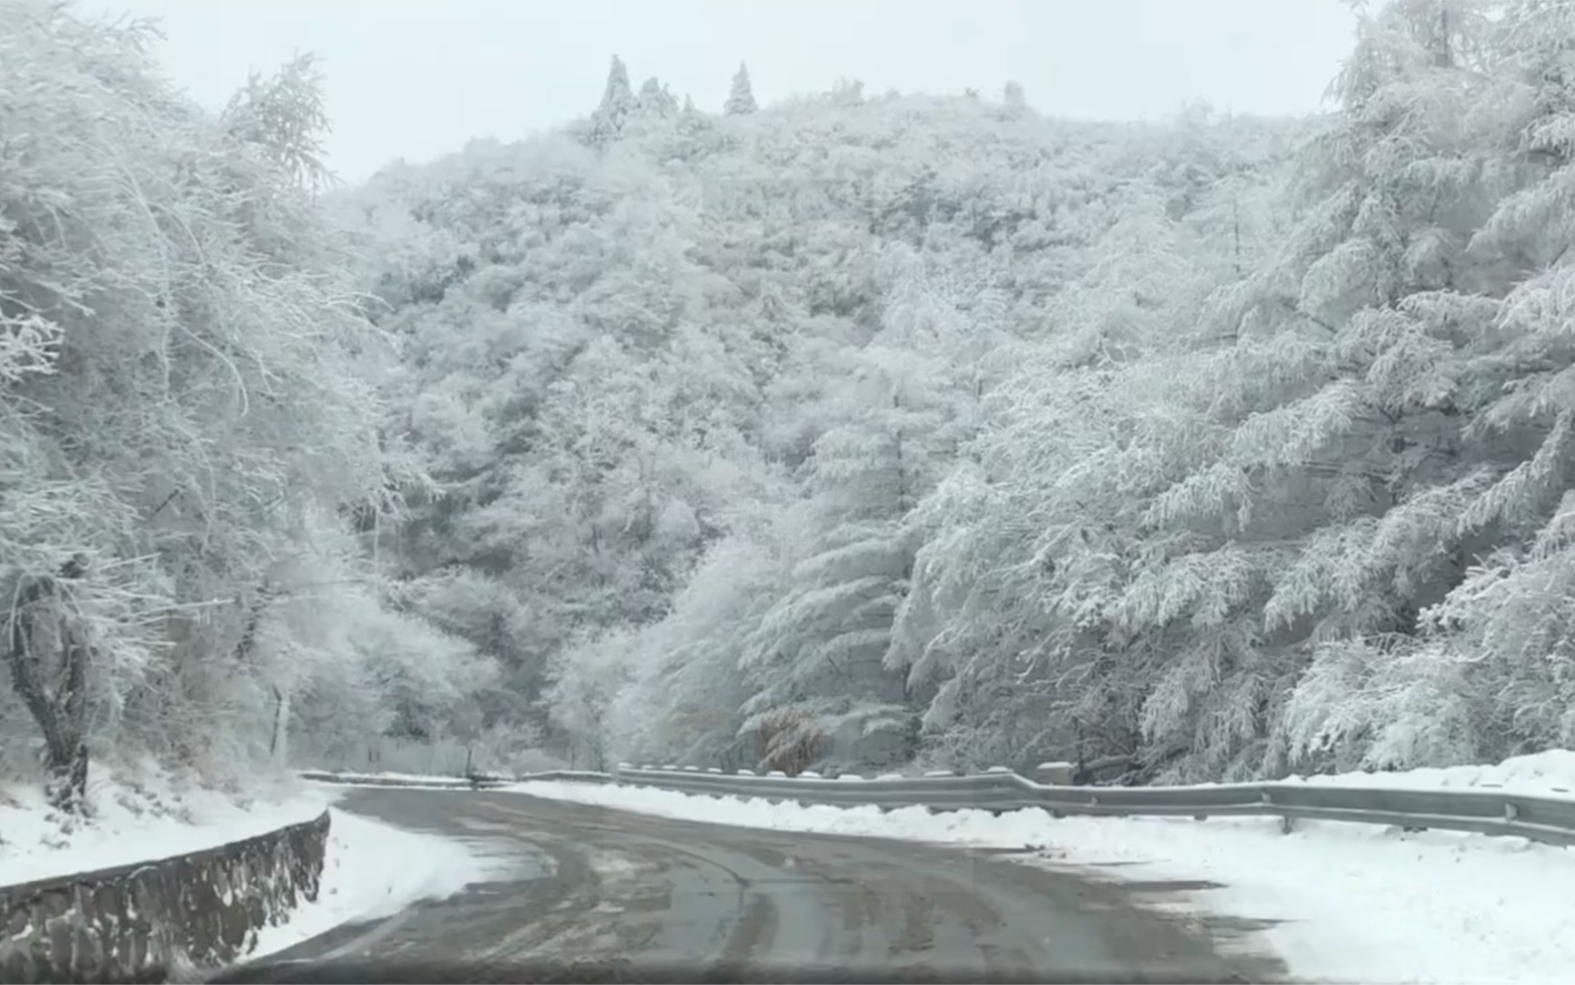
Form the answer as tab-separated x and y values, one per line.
154	817
1543	774
361	881
1357	902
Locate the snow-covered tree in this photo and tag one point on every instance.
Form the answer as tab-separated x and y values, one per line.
1014	99
656	101
188	390
741	98
618	105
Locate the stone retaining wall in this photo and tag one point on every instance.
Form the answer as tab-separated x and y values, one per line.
143	922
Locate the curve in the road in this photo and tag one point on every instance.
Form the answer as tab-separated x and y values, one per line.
608	895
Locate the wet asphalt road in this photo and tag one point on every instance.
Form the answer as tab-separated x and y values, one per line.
604	895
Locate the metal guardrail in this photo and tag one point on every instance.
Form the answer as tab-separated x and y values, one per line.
477	781
1485	811
569	776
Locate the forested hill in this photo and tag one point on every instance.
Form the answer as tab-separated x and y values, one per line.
700	390
861	430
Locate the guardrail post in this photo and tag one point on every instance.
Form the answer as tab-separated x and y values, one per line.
1287	823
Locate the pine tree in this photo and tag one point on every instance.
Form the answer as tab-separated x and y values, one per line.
618	104
820	654
1014	98
656	101
847	92
741	100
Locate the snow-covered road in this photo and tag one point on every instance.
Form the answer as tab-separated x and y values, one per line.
1341	902
620	896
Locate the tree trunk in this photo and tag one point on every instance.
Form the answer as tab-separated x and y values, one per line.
40	621
279	744
245	649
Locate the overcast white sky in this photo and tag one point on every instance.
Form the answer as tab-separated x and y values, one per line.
418	78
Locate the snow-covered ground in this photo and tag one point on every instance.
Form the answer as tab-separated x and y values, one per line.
152	817
359	883
1358	902
1543	774
157	817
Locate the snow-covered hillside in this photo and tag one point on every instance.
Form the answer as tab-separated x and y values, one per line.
868	430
